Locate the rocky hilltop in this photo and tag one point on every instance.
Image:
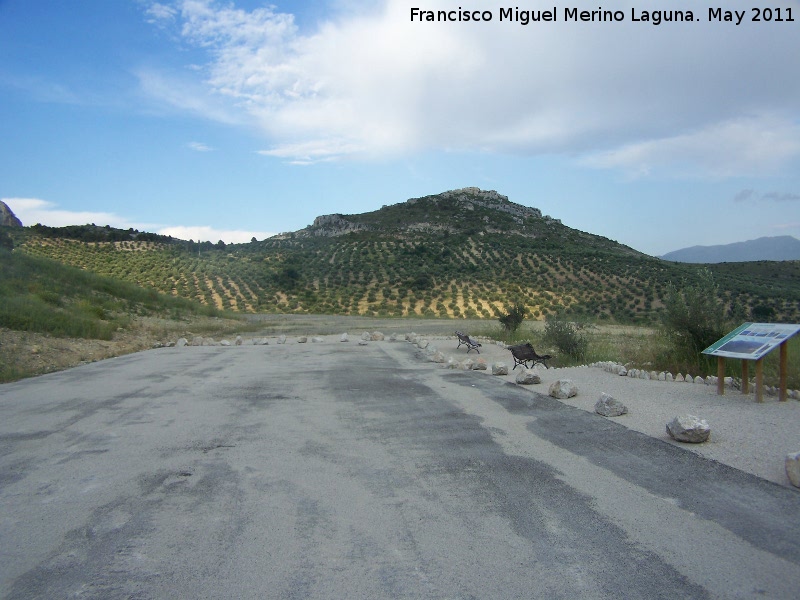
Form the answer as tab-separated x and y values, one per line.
449	211
7	217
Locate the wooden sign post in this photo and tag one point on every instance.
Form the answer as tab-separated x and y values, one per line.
753	341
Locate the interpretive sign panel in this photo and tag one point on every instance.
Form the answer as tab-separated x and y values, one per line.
752	341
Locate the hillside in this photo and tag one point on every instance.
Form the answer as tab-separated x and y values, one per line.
463	253
54	316
778	248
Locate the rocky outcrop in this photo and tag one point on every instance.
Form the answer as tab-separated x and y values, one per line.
470	197
467	199
333	225
7	217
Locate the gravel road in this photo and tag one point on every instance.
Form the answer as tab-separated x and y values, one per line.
334	470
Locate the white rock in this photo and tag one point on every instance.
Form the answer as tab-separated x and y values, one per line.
282	339
662	376
688	379
316	340
622	372
528	377
699	380
466	364
438	357
792	464
609	406
377	336
563	388
689	428
239	341
224	343
479	365
679	378
499	368
344	338
181	342
366	336
302	339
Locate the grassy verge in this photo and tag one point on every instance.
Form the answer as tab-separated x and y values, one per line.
640	347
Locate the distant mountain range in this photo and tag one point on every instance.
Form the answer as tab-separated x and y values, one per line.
782	247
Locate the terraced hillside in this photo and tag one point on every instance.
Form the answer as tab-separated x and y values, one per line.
464	253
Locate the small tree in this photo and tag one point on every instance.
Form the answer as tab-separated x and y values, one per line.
694	317
513	318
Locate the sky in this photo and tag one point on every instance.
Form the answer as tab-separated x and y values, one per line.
235	119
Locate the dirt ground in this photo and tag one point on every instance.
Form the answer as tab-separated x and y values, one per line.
25	354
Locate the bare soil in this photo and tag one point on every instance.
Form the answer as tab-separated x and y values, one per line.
26	354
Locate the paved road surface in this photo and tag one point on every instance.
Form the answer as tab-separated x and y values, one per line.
342	471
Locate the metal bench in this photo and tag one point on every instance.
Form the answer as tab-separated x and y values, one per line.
464	339
524	354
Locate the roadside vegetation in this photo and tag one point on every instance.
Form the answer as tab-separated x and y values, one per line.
42	299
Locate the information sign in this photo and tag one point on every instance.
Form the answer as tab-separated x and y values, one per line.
752	341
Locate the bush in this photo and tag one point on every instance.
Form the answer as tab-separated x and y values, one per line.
513	318
694	318
565	337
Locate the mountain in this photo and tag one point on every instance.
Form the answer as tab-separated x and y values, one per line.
461	253
7	217
783	247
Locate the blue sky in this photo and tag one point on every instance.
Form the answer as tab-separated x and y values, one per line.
237	119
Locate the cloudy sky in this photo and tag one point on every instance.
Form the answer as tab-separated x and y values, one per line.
213	120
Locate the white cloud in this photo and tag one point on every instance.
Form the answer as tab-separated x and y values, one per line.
630	96
160	13
199	147
34	210
736	148
179	92
202	233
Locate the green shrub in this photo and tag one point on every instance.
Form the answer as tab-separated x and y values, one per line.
693	319
566	337
513	318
